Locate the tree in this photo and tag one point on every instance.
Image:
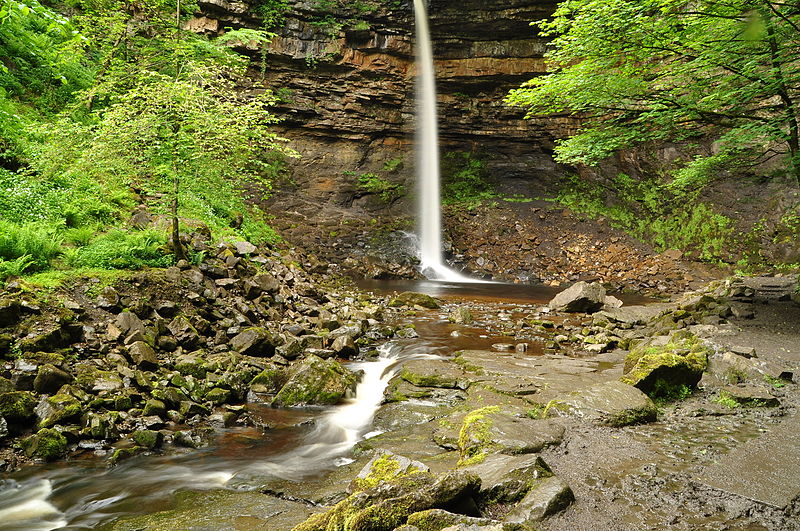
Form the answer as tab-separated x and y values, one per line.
674	70
166	114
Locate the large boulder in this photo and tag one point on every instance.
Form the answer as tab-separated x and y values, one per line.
389	504
610	403
580	297
659	370
507	479
255	341
46	444
410	298
17	406
549	497
184	333
49	379
316	381
385	466
487	430
57	409
143	355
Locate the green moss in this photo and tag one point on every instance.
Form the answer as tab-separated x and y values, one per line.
467	366
63	407
269	380
725	399
474	437
316	381
47	444
633	416
17	405
121	454
429	380
680	362
385	468
148	438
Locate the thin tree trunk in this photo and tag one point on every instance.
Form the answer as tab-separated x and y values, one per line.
789	105
177	247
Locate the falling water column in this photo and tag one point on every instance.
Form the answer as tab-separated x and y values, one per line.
429	215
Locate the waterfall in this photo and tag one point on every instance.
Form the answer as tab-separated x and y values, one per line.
429	216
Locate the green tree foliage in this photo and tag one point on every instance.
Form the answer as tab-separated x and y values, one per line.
672	70
115	101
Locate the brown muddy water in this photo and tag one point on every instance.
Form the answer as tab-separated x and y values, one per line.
306	445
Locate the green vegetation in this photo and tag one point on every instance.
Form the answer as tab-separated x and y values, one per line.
97	118
464	179
667	372
725	399
474	437
661	215
374	184
632	70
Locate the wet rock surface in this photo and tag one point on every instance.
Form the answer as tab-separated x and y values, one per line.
548	436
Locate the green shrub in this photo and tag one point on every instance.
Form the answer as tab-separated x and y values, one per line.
464	179
119	249
14	268
35	241
375	184
664	216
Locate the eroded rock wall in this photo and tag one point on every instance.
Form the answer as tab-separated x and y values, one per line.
347	94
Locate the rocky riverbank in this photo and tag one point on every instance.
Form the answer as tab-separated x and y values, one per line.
631	417
162	358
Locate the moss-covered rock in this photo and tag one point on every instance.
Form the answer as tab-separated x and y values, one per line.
474	438
57	409
410	298
120	454
316	381
269	380
50	379
218	396
680	362
47	444
389	504
438	519
192	364
385	466
255	341
17	406
148	438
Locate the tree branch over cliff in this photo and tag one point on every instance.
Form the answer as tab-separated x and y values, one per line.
644	70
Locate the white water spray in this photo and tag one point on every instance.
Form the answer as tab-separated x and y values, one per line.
429	201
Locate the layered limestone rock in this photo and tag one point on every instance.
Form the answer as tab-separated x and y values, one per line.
344	78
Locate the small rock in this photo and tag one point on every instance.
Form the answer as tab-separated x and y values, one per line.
410	298
245	248
143	355
552	495
50	378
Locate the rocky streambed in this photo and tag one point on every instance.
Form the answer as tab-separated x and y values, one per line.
499	412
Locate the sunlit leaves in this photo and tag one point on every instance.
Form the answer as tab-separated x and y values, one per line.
640	70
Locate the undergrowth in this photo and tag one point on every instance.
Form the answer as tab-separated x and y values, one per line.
665	217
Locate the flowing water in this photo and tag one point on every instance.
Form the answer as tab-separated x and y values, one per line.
83	494
429	217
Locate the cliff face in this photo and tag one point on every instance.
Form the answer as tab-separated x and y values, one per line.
345	82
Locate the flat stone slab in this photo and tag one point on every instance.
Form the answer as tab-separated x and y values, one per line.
634	315
221	511
765	469
614	403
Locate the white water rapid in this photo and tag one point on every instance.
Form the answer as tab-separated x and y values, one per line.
82	497
429	216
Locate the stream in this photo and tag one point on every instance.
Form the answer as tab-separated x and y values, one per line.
304	447
307	443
